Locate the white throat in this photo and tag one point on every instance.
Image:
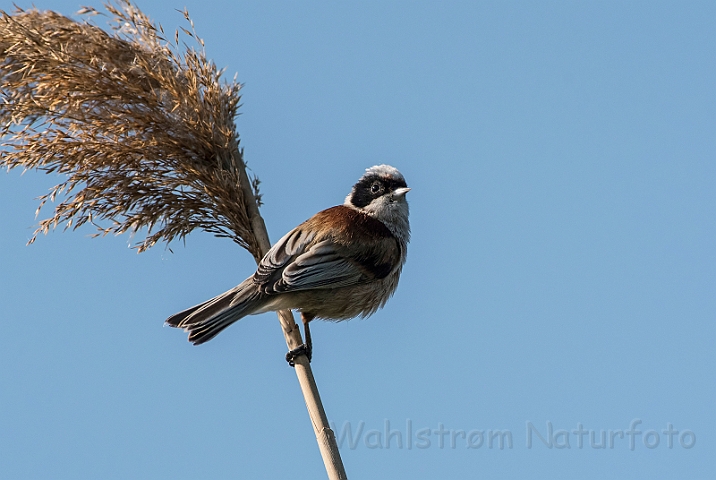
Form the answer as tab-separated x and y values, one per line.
393	213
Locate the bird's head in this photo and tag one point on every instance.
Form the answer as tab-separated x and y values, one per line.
380	193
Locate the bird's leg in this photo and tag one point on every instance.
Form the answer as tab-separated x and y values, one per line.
305	349
306	318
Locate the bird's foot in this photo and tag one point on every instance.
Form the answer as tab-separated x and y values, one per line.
304	349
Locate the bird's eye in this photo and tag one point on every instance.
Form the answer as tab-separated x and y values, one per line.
375	188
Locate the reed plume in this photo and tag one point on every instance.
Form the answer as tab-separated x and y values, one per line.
141	128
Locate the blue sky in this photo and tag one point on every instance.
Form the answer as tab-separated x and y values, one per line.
562	269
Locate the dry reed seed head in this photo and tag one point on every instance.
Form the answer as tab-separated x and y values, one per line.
141	128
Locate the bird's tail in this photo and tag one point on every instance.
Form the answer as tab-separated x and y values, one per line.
208	319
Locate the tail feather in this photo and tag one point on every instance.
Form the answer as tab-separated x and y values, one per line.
208	319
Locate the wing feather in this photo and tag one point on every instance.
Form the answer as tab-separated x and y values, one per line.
304	259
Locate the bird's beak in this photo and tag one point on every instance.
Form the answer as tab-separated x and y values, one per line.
400	192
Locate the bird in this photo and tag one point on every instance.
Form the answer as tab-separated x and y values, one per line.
343	262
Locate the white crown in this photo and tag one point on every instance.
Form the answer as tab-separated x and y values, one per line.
384	170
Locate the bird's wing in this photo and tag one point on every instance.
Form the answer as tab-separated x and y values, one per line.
312	257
